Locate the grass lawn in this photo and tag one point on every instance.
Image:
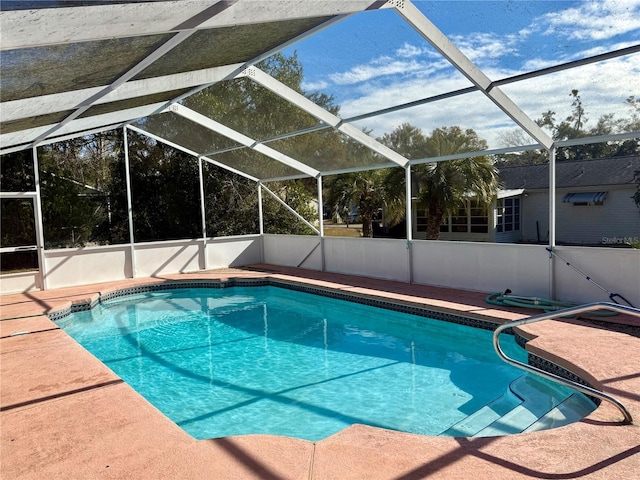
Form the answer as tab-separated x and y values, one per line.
343	231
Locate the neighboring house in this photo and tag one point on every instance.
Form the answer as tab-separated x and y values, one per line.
593	206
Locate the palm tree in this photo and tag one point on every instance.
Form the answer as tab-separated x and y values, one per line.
441	188
446	186
363	190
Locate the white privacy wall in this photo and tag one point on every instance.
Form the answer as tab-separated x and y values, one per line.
293	251
19	282
234	251
161	258
81	266
616	270
369	257
484	267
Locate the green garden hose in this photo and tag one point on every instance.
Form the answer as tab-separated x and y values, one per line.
506	299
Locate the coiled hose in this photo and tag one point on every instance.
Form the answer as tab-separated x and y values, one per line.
506	299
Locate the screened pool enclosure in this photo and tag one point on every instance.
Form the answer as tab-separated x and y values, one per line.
260	97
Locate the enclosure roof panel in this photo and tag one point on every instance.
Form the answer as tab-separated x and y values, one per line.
62	58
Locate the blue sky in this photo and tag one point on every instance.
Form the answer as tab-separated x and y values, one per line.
374	59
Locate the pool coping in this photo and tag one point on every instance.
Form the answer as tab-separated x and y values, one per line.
356	452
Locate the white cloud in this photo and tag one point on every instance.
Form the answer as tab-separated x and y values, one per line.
540	63
315	86
593	20
413	72
603	87
482	47
380	67
409	51
372	97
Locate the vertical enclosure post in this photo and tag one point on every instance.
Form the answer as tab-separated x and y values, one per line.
552	219
261	222
321	222
203	215
409	223
39	223
129	202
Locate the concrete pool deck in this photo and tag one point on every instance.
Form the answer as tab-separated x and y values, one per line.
66	415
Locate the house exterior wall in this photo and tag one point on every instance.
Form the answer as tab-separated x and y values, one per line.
618	217
513	236
535	216
617	220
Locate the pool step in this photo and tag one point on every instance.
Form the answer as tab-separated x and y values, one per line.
570	410
530	404
480	419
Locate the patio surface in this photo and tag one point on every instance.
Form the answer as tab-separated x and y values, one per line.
65	415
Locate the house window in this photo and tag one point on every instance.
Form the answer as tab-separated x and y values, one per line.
508	214
470	219
583	199
421	220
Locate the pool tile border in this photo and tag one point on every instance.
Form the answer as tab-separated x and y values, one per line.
315	290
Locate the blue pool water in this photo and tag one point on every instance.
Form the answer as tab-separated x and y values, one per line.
243	360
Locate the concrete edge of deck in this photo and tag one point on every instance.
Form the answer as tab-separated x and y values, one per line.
66	415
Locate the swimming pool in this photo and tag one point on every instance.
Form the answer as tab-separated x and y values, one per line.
263	359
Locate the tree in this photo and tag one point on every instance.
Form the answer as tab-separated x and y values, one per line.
367	190
518	138
297	195
83	191
231	203
443	187
251	109
575	126
165	191
363	190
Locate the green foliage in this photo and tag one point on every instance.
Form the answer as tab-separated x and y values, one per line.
297	194
231	203
443	187
575	126
17	222
365	190
165	192
83	202
16	172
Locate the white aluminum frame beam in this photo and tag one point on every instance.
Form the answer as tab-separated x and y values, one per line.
321	224
597	139
240	138
552	221
52	26
59	102
230	169
39	221
321	114
127	178
169	45
203	214
442	44
283	203
189	152
409	223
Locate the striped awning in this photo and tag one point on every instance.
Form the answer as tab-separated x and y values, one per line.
584	197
